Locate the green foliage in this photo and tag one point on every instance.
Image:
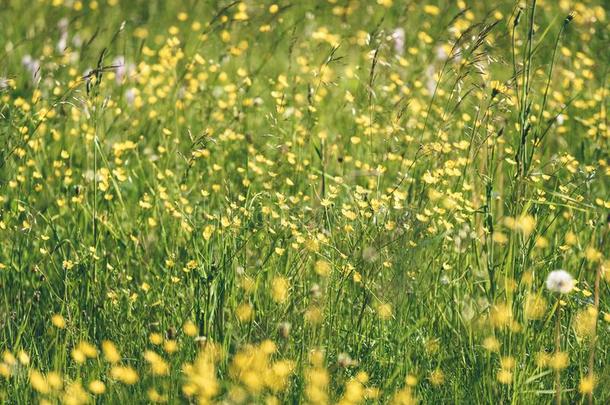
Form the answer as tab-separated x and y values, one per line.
318	202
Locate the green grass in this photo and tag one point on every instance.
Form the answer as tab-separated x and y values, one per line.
217	176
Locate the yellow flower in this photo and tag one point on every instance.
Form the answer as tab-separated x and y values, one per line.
432	10
97	387
157	364
592	254
507	362
58	321
124	374
190	329
585	322
491	344
505	376
501	315
322	268
39	382
23	357
170	346
542	359
156	339
587	384
437	377
244	312
111	354
535	306
384	311
75	394
279	289
559	361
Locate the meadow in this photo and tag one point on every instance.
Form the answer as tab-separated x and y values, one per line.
318	202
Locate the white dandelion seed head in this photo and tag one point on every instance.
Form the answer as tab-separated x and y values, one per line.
560	281
441	53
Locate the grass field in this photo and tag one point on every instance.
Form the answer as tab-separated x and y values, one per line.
323	202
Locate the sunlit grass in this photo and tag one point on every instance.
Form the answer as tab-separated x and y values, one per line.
304	202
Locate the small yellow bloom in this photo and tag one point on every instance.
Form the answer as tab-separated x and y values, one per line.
559	361
491	344
97	387
244	312
111	354
437	377
505	376
587	384
156	339
190	329
58	321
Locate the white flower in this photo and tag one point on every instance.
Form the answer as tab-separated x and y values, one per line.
120	68
33	66
399	40
560	281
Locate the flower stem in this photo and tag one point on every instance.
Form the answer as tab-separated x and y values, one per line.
557	350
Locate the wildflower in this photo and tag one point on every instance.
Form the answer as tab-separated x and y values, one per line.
244	312
87	349
560	281
322	268
587	384
411	380
33	67
75	394
313	315
507	362
279	289
592	254
156	339
437	377
54	380
157	364
559	360
317	379
404	397
504	376
542	359
384	311
111	354
170	346
344	360
501	315
5	370
39	382
58	321
124	374
97	387
431	9
491	344
190	329
535	306
23	357
585	322
399	41
201	380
